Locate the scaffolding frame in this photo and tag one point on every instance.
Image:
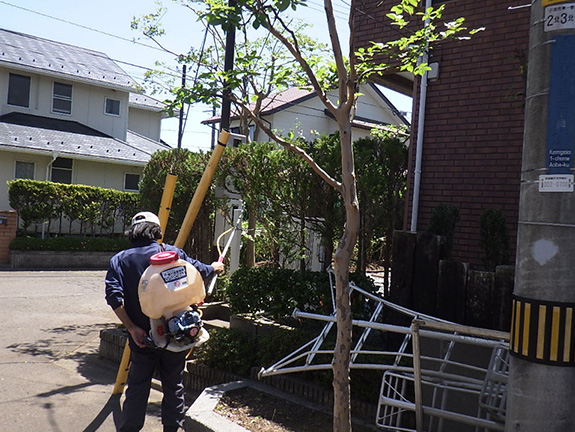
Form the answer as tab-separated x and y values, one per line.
418	387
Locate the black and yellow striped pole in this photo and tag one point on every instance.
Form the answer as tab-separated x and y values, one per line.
543	332
541	387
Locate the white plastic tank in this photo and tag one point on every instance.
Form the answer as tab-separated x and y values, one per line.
169	285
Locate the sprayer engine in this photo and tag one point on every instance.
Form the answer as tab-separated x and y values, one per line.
185	326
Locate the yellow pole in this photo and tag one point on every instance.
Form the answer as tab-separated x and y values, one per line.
122	371
163	215
166	204
201	190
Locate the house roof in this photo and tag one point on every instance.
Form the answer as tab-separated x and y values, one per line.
43	135
145	102
274	103
293	96
26	52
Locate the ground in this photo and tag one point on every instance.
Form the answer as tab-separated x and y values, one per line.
262	412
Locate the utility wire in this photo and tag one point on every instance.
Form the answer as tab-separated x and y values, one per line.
80	25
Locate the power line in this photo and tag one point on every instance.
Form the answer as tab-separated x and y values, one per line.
80	25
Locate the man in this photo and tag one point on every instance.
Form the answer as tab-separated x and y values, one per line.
122	281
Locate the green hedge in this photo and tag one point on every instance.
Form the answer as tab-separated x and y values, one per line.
95	209
275	292
91	244
238	352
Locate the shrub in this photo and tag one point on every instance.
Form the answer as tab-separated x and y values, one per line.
275	292
95	209
443	220
494	238
238	352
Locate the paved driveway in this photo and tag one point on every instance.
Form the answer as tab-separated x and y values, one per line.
51	378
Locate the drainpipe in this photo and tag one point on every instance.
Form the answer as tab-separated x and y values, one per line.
54	157
420	133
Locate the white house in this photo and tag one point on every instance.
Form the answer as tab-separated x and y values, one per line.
71	115
301	111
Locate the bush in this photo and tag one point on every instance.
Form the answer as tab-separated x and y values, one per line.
95	209
237	352
443	220
494	238
275	292
91	244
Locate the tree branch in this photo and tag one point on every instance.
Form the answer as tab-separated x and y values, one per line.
288	145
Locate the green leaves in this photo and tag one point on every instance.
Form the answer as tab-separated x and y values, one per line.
406	52
94	207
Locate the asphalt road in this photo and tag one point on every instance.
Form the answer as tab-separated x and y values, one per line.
51	378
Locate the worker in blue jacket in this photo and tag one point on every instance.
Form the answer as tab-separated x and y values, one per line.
122	281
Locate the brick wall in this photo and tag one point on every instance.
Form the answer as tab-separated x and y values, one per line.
474	120
8	226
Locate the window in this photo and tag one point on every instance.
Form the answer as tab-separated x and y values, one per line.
62	170
24	170
112	106
236	130
19	90
62	98
132	182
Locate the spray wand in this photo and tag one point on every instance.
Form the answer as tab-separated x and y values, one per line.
237	227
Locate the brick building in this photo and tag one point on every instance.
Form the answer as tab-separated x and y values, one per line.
473	121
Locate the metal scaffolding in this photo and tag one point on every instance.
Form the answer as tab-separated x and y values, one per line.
442	377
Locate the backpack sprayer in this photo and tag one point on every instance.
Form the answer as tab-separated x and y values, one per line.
170	290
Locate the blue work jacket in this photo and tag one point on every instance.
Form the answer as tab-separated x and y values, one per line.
124	273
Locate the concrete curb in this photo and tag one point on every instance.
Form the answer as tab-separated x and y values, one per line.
201	417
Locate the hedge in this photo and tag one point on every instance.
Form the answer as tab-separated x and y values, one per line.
276	292
95	209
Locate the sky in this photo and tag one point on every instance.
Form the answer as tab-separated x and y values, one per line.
104	25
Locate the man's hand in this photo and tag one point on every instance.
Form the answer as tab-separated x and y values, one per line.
218	267
139	335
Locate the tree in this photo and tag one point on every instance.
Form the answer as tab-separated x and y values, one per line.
263	65
322	74
189	167
278	187
381	182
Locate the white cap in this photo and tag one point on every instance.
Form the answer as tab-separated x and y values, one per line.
145	217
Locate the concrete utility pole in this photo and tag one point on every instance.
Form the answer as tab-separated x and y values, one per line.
181	118
541	389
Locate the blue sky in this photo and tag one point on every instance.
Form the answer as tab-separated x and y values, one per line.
104	25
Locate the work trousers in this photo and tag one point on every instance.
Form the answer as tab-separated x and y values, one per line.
170	367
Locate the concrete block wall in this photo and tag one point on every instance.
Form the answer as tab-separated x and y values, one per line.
8	227
60	260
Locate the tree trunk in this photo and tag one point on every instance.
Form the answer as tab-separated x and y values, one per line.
341	357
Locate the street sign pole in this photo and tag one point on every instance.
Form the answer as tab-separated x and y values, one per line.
541	387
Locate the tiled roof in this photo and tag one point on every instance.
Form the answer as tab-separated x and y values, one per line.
43	135
276	102
285	99
27	52
145	102
293	96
